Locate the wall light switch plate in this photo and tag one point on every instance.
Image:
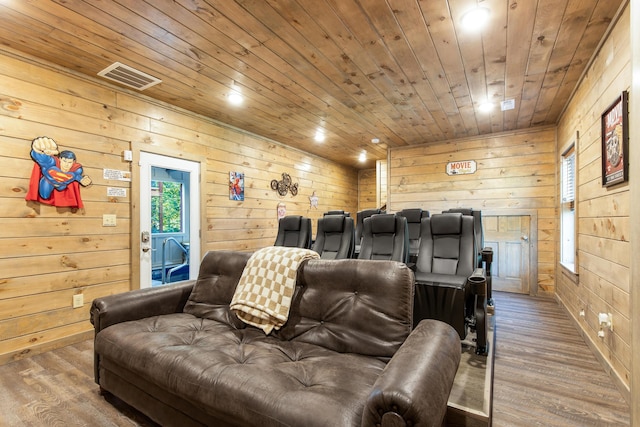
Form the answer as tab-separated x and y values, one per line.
108	220
78	300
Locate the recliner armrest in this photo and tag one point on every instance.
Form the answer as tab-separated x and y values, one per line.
487	254
415	385
138	304
478	272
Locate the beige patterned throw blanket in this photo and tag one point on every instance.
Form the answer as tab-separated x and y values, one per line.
263	295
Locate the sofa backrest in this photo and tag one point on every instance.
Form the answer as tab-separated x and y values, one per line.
352	306
219	275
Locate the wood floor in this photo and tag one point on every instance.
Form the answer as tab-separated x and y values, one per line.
544	376
544	373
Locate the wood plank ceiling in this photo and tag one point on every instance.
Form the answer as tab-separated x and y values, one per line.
403	71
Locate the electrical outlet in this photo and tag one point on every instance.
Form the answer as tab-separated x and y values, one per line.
605	320
78	300
108	220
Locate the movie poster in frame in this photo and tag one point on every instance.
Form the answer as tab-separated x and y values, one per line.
236	186
615	142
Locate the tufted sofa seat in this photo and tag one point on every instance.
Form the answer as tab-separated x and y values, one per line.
346	357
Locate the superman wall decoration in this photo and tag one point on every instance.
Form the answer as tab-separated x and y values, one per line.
56	176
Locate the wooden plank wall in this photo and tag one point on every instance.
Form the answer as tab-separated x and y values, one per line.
367	189
634	200
49	254
604	255
382	183
515	171
372	186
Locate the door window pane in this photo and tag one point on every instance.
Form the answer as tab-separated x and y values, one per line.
166	207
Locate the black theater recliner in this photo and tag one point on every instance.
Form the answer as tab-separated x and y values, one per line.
360	217
294	231
485	254
449	285
385	237
414	224
335	238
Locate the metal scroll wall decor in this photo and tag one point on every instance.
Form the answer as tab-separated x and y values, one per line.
284	185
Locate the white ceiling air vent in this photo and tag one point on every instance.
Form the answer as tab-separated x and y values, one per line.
128	76
508	104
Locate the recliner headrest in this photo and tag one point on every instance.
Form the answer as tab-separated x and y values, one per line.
412	215
383	223
337	212
366	213
291	222
446	223
333	223
463	211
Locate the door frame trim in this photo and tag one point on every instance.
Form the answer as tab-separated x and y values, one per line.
136	148
533	240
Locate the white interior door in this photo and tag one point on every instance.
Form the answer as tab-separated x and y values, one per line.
509	237
191	171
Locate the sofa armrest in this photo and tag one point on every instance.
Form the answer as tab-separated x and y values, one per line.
138	304
415	385
135	305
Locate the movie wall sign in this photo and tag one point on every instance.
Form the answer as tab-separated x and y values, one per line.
461	167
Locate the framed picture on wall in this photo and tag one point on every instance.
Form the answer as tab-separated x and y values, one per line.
236	186
615	142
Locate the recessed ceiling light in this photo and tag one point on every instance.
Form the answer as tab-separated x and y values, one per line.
485	107
475	19
363	157
235	96
319	137
375	140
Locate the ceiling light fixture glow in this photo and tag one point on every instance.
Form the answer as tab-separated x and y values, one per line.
363	157
485	107
475	19
235	96
319	137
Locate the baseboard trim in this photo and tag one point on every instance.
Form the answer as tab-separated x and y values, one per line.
44	347
620	384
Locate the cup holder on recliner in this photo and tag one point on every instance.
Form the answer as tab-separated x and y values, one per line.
478	285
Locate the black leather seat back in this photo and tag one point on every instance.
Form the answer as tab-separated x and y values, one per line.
447	245
294	231
360	217
335	237
385	237
414	220
477	226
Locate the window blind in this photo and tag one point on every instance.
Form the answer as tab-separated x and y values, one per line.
568	177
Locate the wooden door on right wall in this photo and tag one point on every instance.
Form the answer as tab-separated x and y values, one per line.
509	237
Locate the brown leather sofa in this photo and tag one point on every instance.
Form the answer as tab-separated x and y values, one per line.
346	357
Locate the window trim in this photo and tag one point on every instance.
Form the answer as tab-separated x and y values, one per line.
570	151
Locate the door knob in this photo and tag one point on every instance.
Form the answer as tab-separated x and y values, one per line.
525	238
